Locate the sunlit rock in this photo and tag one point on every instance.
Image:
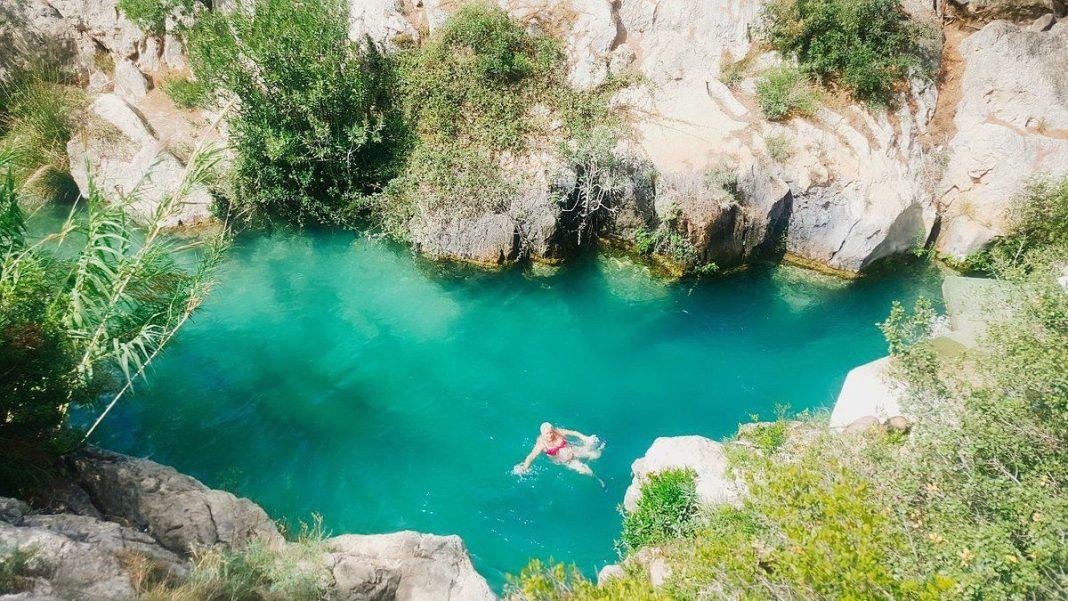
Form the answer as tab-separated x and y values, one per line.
704	456
1011	124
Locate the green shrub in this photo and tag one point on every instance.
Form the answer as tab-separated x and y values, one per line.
185	93
14	571
315	130
767	437
866	46
779	148
253	573
481	93
731	72
786	92
151	15
668	509
665	242
553	581
38	108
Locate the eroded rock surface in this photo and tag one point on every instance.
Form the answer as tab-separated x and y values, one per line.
406	566
177	510
1012	124
131	165
844	188
146	514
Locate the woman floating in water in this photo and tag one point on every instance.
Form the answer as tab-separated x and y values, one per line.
553	442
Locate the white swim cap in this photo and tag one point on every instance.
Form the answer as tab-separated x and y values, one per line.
545	427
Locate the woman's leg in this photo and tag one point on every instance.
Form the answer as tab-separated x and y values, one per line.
588	450
583	469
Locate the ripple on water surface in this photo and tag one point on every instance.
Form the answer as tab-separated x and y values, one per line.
344	377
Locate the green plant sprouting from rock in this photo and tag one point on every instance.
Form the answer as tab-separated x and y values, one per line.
865	46
315	129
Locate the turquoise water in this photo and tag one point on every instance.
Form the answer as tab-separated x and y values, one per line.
342	376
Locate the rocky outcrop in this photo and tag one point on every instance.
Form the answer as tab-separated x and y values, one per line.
78	558
406	566
143	515
132	166
704	456
1011	124
531	225
178	511
844	188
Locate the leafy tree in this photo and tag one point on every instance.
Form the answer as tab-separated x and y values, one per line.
314	128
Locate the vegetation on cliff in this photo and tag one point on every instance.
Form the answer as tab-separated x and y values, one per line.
864	46
314	124
972	504
38	107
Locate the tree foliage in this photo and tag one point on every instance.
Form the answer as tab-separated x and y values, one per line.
866	46
315	129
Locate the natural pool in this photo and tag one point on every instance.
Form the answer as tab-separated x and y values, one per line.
339	375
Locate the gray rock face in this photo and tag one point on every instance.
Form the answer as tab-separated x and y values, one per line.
155	515
123	153
405	566
532	225
175	509
79	558
1011	124
129	81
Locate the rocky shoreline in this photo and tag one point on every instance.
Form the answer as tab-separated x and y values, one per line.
109	510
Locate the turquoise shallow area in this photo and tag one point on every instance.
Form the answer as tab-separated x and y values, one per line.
339	375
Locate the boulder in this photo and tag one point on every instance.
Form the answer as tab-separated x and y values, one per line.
488	240
610	571
79	558
71	569
148	59
403	566
531	225
129	81
1011	123
704	456
173	52
868	423
868	391
898	423
122	152
1043	23
175	509
383	21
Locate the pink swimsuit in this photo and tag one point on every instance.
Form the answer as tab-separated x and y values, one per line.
554	450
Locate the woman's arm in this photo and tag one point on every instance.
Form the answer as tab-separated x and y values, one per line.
567	432
522	467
